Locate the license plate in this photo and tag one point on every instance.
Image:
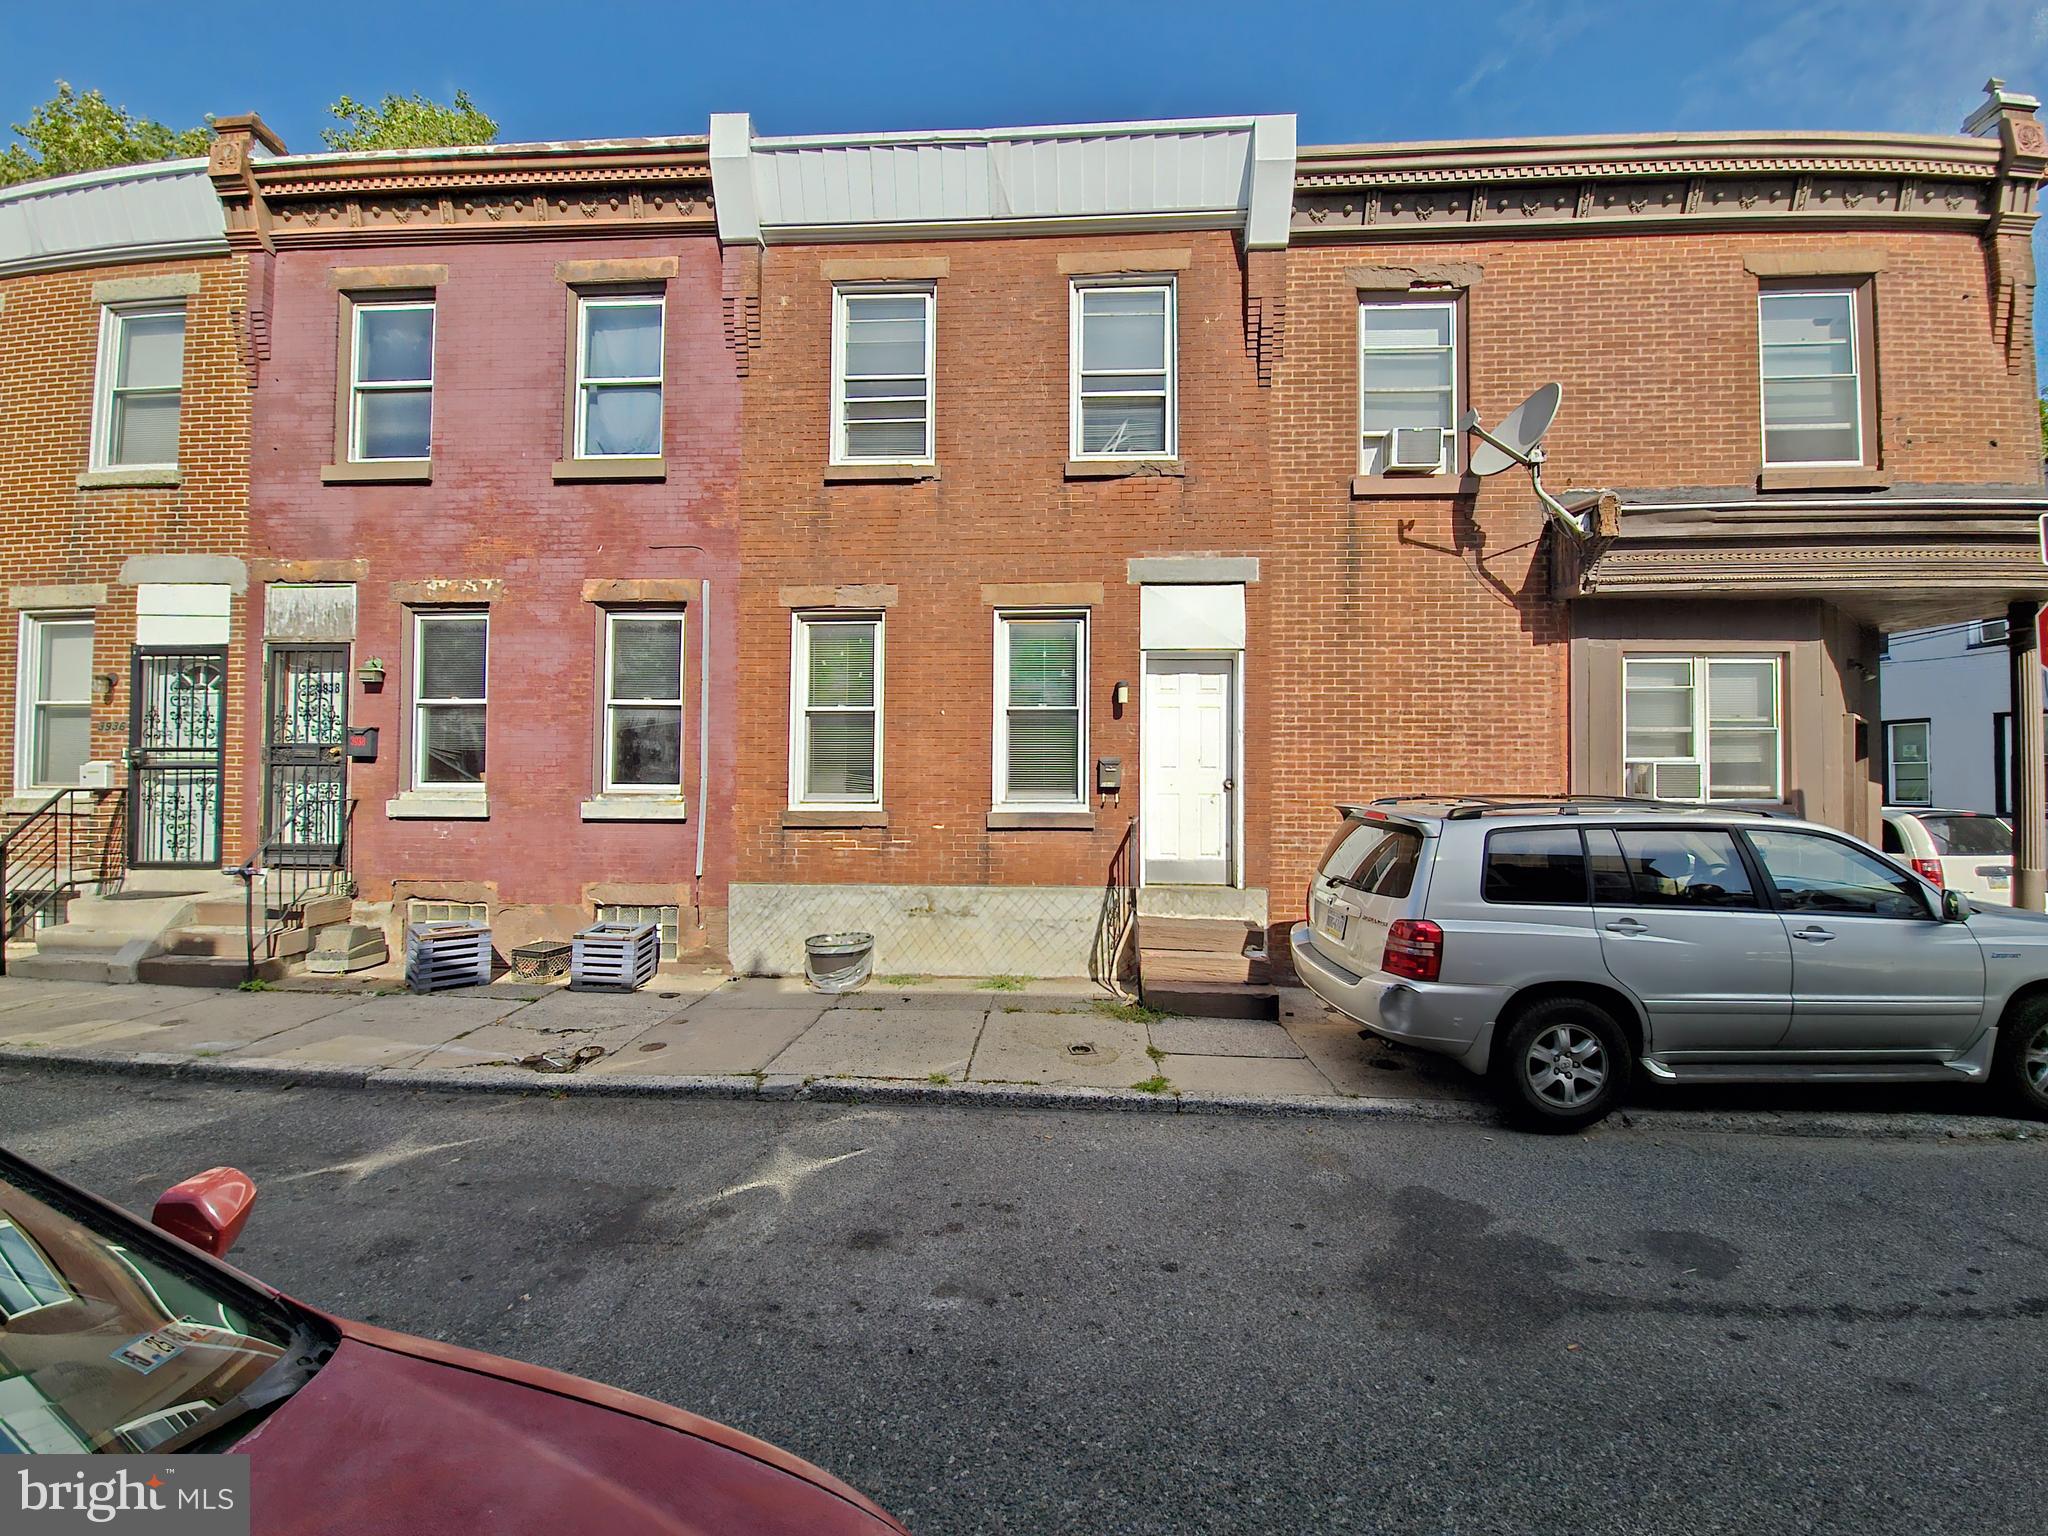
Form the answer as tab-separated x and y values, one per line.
1333	923
1998	877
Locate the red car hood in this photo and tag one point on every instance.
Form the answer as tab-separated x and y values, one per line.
401	1435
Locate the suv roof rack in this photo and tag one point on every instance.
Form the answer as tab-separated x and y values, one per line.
1466	807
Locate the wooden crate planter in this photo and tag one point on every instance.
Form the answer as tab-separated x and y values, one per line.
440	955
618	956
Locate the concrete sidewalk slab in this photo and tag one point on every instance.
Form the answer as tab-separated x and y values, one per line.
506	1044
384	1031
1038	1048
600	1010
859	1042
709	1043
763	992
1222	1037
1255	1077
210	1023
51	1019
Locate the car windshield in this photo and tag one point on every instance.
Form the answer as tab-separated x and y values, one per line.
105	1346
1969	836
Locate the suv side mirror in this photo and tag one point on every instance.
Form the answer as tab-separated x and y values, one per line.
1955	907
208	1209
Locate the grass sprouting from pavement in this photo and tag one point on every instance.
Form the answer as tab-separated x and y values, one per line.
1156	1083
904	979
1129	1013
1000	984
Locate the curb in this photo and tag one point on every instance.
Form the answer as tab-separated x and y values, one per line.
1859	1126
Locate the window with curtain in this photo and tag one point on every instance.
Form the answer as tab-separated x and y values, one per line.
55	687
1702	728
391	379
1909	755
1812	384
836	757
449	697
1408	386
618	376
882	377
644	703
1123	387
1041	717
142	376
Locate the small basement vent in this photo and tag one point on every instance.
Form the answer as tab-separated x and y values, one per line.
476	912
666	919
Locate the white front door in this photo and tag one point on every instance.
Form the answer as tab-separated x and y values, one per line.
1188	753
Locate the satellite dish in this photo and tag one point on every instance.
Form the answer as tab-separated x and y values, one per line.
1516	439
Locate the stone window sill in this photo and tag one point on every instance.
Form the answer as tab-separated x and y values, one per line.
1376	487
386	472
847	816
129	479
1041	821
438	805
1846	477
1123	469
871	474
635	808
611	469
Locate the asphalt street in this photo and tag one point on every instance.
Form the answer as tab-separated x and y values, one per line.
999	1321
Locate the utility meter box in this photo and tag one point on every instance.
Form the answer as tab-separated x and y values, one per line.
1109	775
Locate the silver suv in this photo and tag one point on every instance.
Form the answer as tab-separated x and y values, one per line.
1554	945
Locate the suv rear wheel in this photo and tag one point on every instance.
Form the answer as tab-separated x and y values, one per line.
2020	1067
1562	1064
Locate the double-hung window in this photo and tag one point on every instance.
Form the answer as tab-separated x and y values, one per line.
1909	759
55	689
1702	727
618	375
1041	733
1407	387
835	737
882	375
391	380
1123	350
141	384
451	654
1812	345
643	703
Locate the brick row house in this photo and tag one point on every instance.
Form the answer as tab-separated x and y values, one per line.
1012	544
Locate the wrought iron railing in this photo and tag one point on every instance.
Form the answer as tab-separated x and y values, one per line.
288	876
1119	915
75	838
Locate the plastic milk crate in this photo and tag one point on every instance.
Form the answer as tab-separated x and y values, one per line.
441	954
621	955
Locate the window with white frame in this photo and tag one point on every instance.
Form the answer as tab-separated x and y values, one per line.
666	921
391	379
1812	376
1702	727
643	702
1041	733
1909	761
54	735
1407	387
450	654
882	375
1123	350
141	385
835	730
618	375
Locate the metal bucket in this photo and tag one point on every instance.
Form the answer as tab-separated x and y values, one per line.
838	962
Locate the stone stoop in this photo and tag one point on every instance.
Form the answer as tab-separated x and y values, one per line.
209	946
1210	966
107	936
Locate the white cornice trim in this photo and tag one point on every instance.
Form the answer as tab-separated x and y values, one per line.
168	250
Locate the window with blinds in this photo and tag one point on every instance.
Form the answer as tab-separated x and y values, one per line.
142	377
1812	384
55	687
1041	713
1701	728
836	745
882	376
643	703
1123	359
450	653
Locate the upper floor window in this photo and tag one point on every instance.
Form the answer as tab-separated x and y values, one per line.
1989	631
1701	727
882	375
618	376
391	379
835	753
1041	711
141	384
1408	387
1815	376
1123	354
643	700
54	686
450	696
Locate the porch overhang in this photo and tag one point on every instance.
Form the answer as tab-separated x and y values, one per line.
1904	558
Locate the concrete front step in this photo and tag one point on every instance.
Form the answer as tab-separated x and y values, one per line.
1204	901
1210	999
1157	966
231	941
43	966
206	970
1204	935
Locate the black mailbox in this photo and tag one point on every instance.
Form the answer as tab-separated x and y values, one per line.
362	743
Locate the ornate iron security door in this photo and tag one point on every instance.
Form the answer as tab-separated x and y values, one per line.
305	768
177	741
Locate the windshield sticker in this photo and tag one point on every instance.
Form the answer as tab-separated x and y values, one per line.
145	1352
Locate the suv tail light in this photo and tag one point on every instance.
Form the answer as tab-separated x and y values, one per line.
1928	870
1415	949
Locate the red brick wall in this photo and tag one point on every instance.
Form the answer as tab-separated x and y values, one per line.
495	512
1414	646
54	532
1002	511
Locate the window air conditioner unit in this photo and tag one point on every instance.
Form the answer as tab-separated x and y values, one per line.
1415	450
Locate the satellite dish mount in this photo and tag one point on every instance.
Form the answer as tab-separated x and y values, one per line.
1519	440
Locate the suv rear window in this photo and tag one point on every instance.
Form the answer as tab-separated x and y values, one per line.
1968	836
1536	866
1373	857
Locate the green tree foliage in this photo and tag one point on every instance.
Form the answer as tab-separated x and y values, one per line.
2044	427
409	122
81	131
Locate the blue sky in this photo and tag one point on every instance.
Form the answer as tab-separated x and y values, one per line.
1441	69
